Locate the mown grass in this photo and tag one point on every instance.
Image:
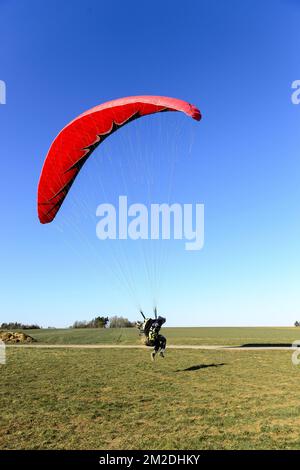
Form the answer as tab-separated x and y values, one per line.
192	336
118	399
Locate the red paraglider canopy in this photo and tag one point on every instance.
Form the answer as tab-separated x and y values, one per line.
75	143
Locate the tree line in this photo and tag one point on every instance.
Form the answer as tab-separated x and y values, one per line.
105	322
18	326
97	322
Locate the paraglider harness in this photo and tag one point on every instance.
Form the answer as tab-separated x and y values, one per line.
150	329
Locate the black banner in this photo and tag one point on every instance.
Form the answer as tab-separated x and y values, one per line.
134	459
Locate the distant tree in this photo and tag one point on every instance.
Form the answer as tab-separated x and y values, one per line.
296	323
120	322
98	322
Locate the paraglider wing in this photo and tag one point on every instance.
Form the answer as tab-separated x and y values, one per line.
75	143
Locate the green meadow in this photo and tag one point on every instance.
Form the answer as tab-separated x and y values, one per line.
118	399
187	336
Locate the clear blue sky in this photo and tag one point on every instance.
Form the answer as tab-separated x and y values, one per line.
236	60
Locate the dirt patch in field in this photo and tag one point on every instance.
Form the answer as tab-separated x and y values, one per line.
10	337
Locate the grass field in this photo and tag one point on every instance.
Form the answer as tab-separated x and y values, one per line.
118	399
192	336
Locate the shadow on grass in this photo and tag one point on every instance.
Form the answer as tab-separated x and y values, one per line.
266	345
200	366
